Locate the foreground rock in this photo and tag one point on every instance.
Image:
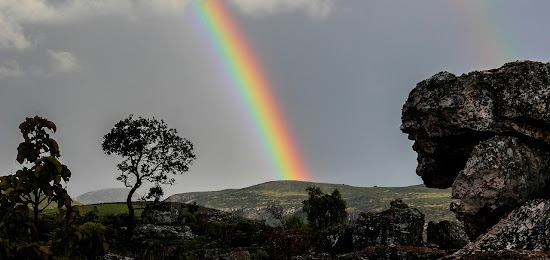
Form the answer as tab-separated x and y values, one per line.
395	226
446	235
163	214
486	134
448	115
525	228
382	252
501	174
150	231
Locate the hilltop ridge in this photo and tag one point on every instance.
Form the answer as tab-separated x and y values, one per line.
250	202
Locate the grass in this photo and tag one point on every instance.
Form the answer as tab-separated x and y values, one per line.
105	209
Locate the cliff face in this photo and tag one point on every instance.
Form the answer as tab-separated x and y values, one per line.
486	134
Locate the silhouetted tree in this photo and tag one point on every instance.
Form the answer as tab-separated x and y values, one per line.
38	182
277	212
324	210
36	185
150	150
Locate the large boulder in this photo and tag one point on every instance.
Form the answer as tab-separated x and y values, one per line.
399	225
150	231
525	228
486	134
380	252
501	174
448	115
523	233
162	214
393	226
447	235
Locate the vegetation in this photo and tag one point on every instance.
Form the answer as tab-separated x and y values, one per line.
35	186
151	152
324	210
38	183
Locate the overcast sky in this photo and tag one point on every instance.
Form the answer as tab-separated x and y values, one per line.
341	69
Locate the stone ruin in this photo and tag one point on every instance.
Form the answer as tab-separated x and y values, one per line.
486	134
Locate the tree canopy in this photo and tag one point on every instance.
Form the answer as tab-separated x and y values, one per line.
36	185
38	182
151	152
324	210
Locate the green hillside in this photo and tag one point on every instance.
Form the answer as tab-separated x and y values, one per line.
250	202
106	196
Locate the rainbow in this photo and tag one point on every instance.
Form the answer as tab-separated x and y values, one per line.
487	37
253	88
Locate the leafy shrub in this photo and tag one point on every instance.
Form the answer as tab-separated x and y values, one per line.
187	218
260	255
324	210
398	204
193	207
86	241
294	222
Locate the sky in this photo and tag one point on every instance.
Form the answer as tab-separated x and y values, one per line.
340	71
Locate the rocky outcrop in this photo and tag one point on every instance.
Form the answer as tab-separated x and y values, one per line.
111	256
446	235
527	227
151	231
160	222
395	226
163	214
486	134
381	252
501	174
448	115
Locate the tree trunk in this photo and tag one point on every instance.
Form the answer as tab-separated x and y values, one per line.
35	205
130	206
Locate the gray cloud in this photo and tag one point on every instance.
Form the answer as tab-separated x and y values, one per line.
16	14
63	61
314	8
10	68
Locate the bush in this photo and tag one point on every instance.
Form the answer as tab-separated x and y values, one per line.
324	210
398	204
294	222
187	218
260	255
193	208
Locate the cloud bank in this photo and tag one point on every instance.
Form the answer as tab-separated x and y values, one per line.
317	9
16	14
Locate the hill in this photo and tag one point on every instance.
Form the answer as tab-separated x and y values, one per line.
251	202
105	196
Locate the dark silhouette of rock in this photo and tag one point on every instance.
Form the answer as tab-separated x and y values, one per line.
486	134
447	235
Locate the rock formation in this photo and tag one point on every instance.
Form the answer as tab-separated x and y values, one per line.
446	235
395	226
164	214
486	134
